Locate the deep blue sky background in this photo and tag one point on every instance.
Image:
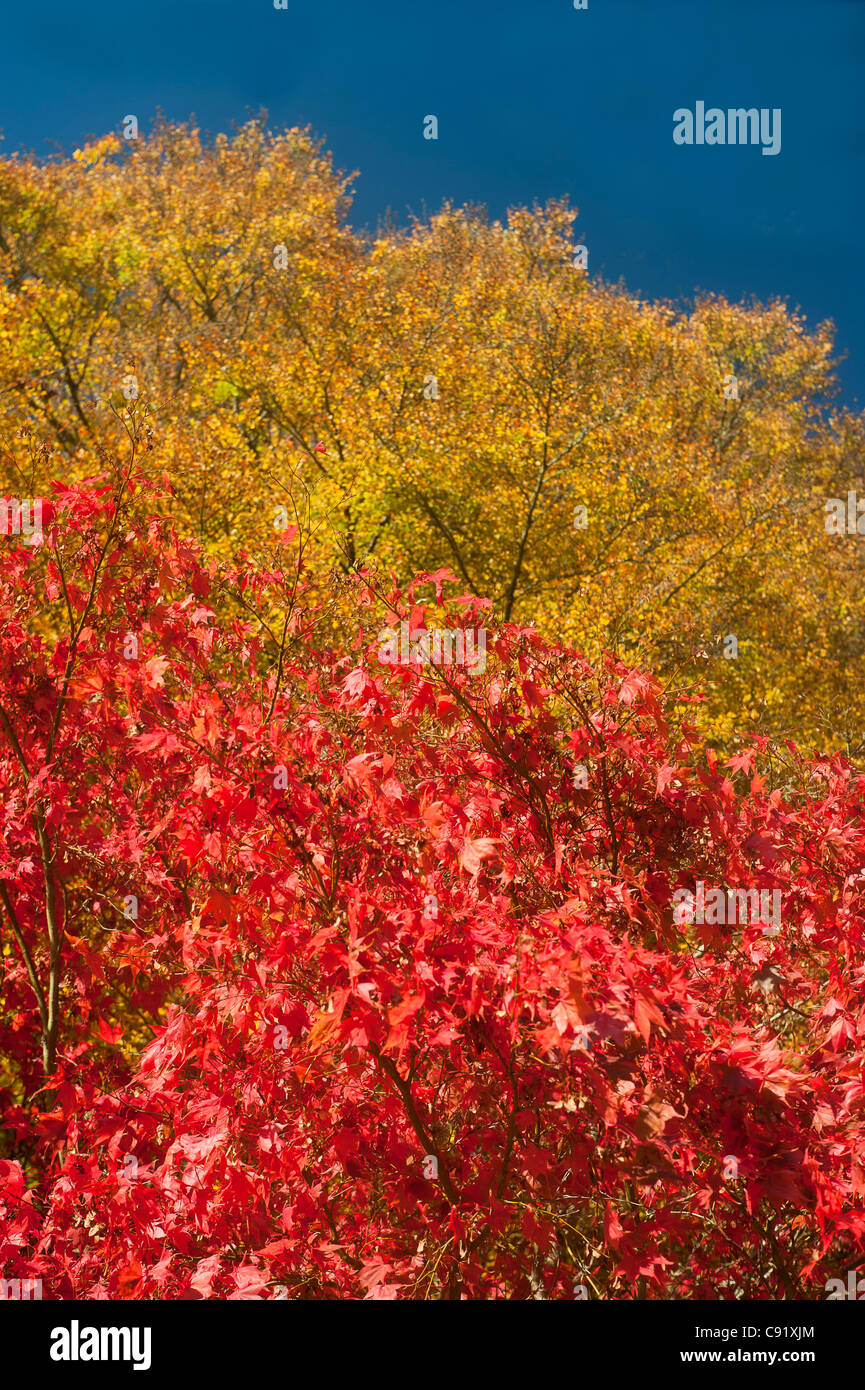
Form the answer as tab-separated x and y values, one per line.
534	100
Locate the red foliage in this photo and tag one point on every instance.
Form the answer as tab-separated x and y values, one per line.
379	922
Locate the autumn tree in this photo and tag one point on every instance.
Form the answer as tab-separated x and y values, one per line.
384	978
632	476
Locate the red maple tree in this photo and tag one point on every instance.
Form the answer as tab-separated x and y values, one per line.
329	978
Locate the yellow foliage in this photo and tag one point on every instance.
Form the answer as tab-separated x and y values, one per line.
623	474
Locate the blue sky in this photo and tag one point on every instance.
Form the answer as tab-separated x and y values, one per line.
534	100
